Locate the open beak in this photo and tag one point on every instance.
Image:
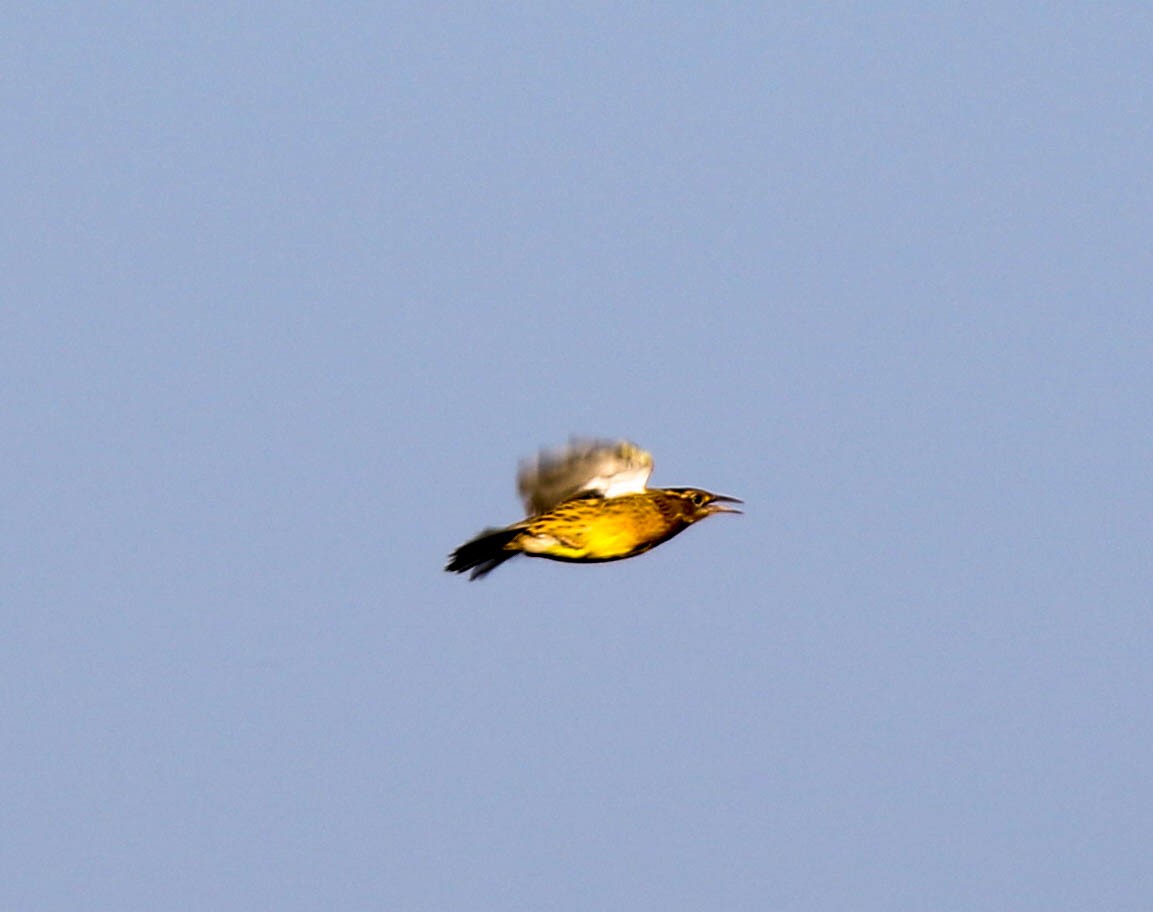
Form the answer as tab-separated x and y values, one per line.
717	504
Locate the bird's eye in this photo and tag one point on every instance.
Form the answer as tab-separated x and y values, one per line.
698	499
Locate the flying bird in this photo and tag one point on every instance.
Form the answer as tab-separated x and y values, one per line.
589	502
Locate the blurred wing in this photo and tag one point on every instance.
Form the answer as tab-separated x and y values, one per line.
606	467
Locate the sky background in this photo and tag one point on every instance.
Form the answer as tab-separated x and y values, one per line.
288	290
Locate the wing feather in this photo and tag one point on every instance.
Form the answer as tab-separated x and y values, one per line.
605	467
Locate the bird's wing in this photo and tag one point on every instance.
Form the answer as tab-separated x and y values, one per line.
606	467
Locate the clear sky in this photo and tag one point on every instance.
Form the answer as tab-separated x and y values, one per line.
287	291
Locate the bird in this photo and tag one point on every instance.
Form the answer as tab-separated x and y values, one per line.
588	502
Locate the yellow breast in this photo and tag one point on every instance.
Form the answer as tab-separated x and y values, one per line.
597	528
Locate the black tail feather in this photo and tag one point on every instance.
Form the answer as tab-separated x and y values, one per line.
483	554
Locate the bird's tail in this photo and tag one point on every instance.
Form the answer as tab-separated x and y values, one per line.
483	554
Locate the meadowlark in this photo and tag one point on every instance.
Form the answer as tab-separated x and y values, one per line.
588	502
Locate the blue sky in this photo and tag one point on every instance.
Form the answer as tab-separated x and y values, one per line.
286	294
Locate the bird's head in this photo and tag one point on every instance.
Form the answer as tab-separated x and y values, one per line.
697	504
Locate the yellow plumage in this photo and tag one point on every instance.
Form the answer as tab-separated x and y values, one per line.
589	503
